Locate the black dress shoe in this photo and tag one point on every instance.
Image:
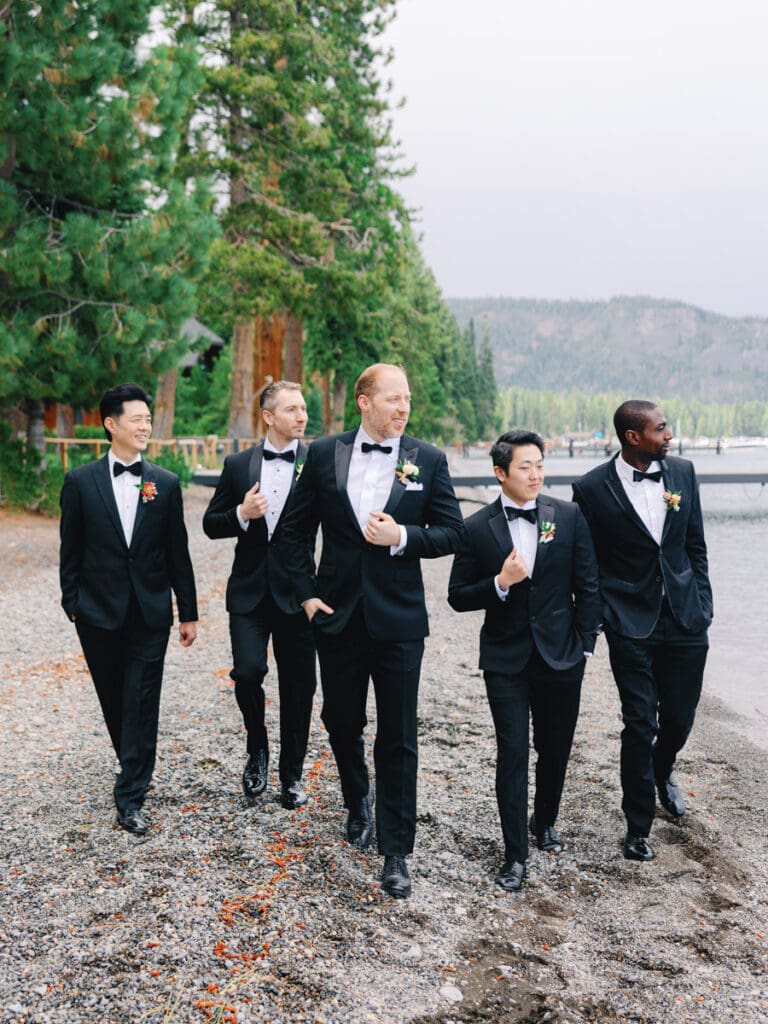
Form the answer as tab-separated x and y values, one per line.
360	824
395	880
638	848
511	876
293	795
256	774
550	840
671	796
133	821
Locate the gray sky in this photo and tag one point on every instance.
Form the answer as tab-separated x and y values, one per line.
589	148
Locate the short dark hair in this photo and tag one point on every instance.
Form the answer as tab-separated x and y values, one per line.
631	415
112	401
502	452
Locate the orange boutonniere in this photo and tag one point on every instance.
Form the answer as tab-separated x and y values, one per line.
672	500
147	491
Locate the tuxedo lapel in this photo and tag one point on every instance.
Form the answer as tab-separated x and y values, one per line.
301	458
342	456
254	465
616	488
398	489
147	474
499	525
545	513
104	487
671	483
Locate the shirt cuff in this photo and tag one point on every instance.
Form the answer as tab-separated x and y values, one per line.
588	654
398	549
500	591
243	522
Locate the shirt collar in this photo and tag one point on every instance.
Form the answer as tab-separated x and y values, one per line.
363	436
292	447
508	503
113	459
627	472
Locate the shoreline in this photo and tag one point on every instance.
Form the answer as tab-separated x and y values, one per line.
266	912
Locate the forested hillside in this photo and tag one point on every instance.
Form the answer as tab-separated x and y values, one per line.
659	347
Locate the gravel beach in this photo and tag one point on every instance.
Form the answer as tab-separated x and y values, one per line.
244	915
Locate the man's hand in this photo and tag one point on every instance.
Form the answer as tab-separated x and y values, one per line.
254	505
513	570
313	605
187	633
382	529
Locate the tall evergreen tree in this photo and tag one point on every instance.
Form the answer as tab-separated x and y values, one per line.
98	243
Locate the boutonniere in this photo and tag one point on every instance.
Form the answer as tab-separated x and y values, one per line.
147	491
406	472
546	531
672	500
299	466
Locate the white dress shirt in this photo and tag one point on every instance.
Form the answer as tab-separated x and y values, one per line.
646	497
275	485
126	490
525	539
370	479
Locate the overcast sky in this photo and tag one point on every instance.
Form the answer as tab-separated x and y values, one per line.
589	148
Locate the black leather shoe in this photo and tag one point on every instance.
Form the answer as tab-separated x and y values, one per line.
360	824
133	821
293	795
638	848
671	796
256	774
550	840
395	880
511	876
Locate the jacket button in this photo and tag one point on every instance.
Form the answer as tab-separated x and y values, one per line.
658	579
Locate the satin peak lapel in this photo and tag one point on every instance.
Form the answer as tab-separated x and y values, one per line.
254	466
671	483
342	456
104	487
545	514
616	488
147	474
499	525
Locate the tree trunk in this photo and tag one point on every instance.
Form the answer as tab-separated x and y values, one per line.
292	361
326	382
165	405
339	401
65	420
36	428
241	405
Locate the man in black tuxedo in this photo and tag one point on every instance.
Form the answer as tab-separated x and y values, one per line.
644	512
384	501
527	560
248	504
123	549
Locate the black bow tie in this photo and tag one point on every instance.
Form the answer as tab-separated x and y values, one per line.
520	513
365	448
638	475
289	456
118	468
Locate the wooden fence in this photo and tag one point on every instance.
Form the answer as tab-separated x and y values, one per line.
198	452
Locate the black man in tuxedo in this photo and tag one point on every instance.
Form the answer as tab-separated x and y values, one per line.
644	512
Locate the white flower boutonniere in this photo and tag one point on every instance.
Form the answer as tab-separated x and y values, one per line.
406	472
299	467
672	500
546	531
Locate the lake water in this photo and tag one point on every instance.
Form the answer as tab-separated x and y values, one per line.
736	527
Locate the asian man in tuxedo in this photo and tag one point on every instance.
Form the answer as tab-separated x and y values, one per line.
248	504
123	550
644	513
528	562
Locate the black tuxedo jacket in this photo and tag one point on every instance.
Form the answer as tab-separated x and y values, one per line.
557	609
258	569
351	569
635	571
98	569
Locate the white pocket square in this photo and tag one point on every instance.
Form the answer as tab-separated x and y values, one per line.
412	486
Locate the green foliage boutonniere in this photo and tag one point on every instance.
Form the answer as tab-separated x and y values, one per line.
546	531
672	500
